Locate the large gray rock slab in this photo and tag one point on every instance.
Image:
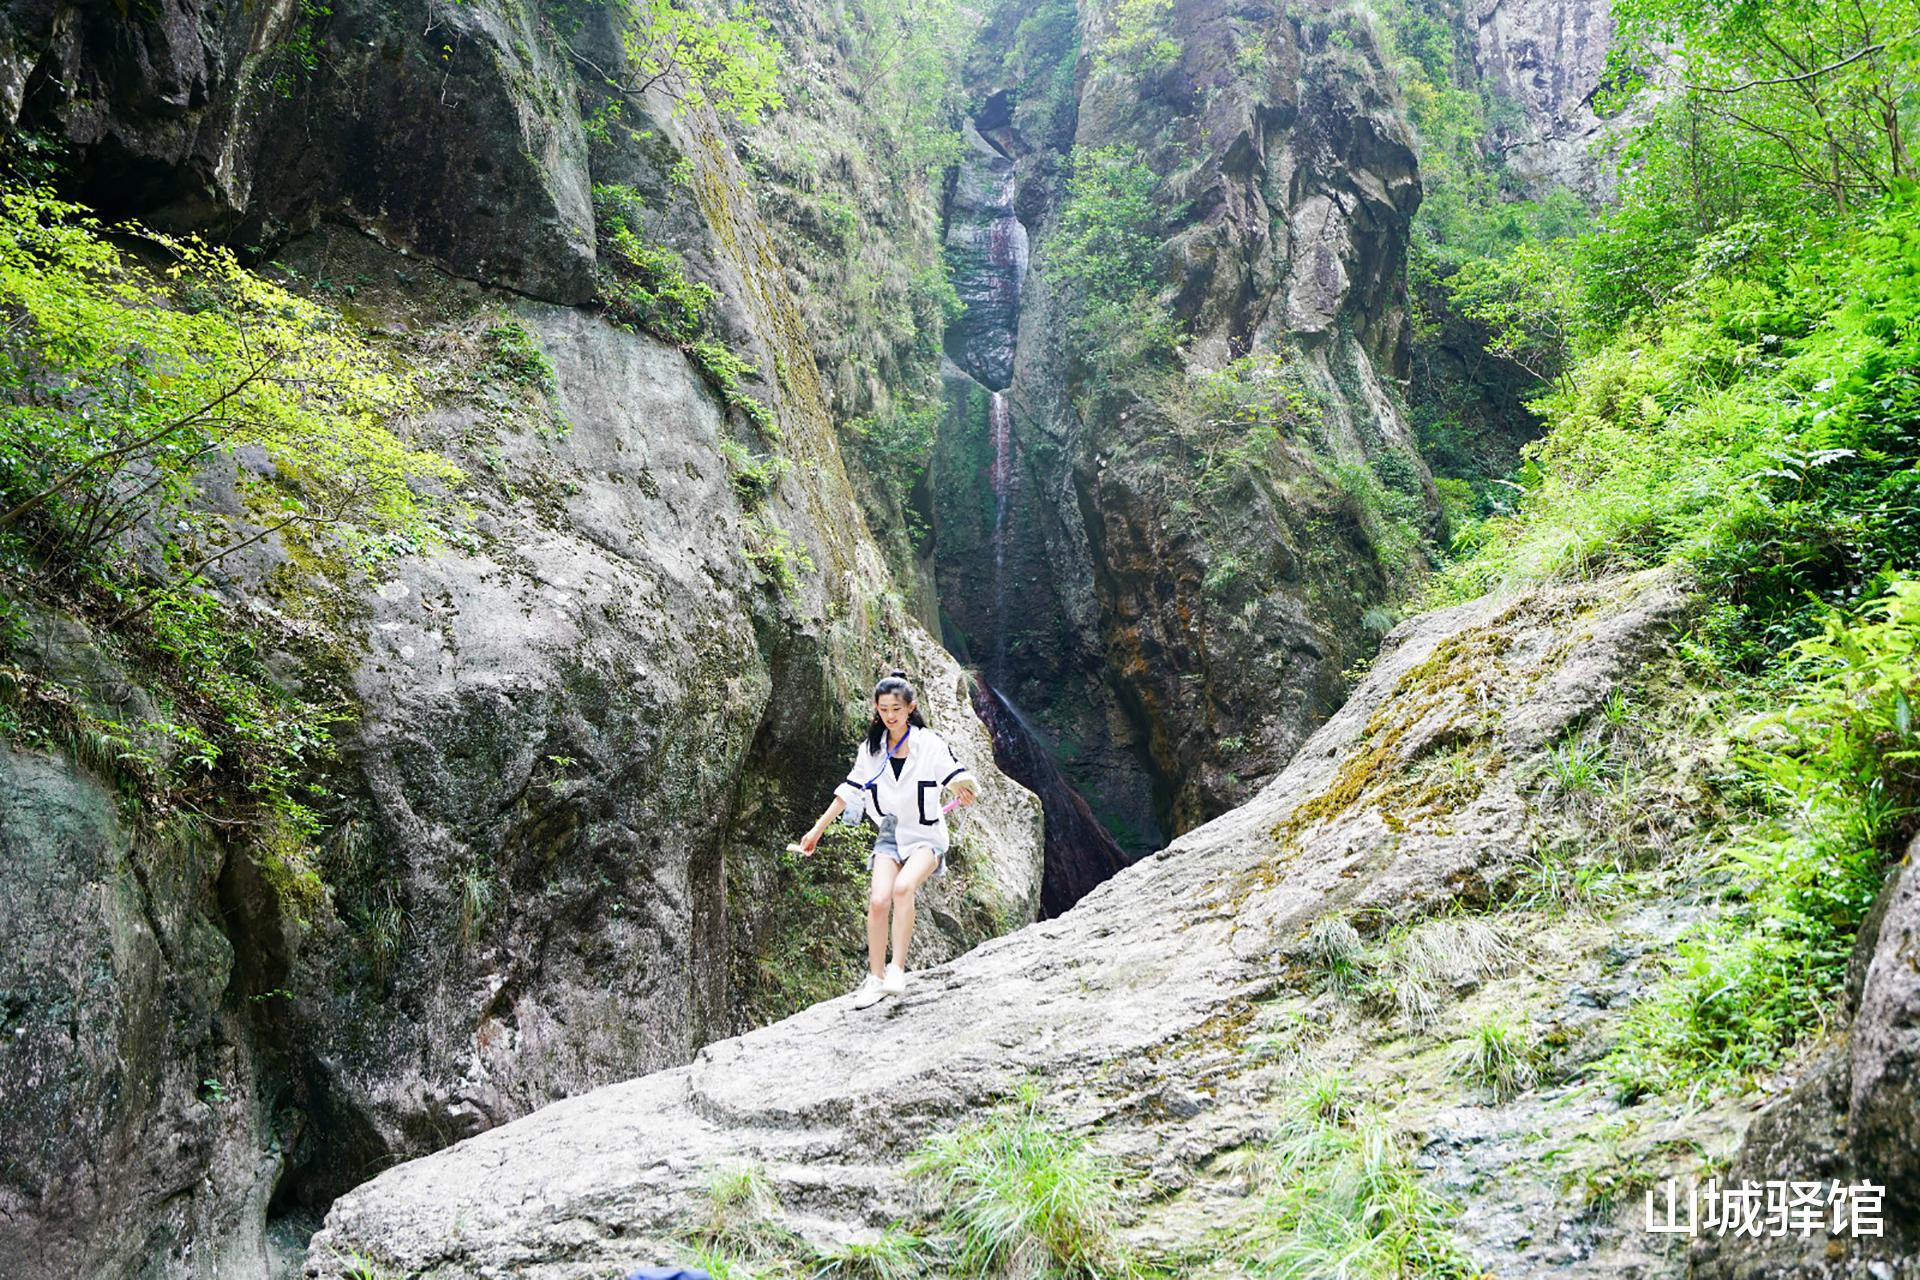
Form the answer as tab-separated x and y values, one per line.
1124	999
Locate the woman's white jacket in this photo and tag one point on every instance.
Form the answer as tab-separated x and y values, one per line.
912	800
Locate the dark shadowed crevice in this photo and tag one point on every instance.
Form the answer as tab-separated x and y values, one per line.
1080	854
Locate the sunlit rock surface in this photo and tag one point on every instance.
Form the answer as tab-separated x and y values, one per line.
1168	1013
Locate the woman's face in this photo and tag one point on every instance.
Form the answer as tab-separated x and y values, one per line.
893	711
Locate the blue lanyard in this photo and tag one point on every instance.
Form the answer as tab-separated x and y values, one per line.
891	748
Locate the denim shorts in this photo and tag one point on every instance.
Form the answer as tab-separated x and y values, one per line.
887	846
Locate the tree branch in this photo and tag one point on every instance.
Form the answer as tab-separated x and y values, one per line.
1869	51
132	446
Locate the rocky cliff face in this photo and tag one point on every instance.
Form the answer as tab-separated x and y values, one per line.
583	731
141	1131
1144	606
1546	60
1183	1010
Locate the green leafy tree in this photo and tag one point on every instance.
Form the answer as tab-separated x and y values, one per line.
1826	88
1528	303
906	63
138	373
123	387
731	62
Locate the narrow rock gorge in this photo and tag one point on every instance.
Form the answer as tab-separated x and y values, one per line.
1173	1011
1164	607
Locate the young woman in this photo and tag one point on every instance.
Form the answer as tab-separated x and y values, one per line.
896	782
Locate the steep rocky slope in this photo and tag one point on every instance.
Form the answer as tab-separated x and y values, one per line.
581	738
1177	1014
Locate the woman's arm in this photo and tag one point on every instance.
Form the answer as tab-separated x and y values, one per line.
812	838
955	776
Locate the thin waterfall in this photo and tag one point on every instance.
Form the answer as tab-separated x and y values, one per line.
1000	423
988	250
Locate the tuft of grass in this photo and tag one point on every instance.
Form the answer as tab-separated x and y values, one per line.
1286	1035
721	1265
1343	1198
476	901
1577	766
739	1237
1326	1098
384	931
1500	1057
1335	950
1021	1197
896	1255
1553	880
1417	965
358	1266
739	1198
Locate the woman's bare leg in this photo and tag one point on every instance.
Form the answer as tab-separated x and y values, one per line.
879	901
920	864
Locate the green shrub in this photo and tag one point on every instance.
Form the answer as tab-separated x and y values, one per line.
774	553
755	477
1390	516
907	55
1039	67
657	296
1755	432
645	286
900	443
121	382
1841	762
1020	1196
1243	412
1343	1199
1138	40
1105	254
513	355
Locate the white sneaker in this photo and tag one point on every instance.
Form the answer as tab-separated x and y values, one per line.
870	992
895	983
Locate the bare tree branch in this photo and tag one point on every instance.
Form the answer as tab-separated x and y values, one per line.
1869	51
